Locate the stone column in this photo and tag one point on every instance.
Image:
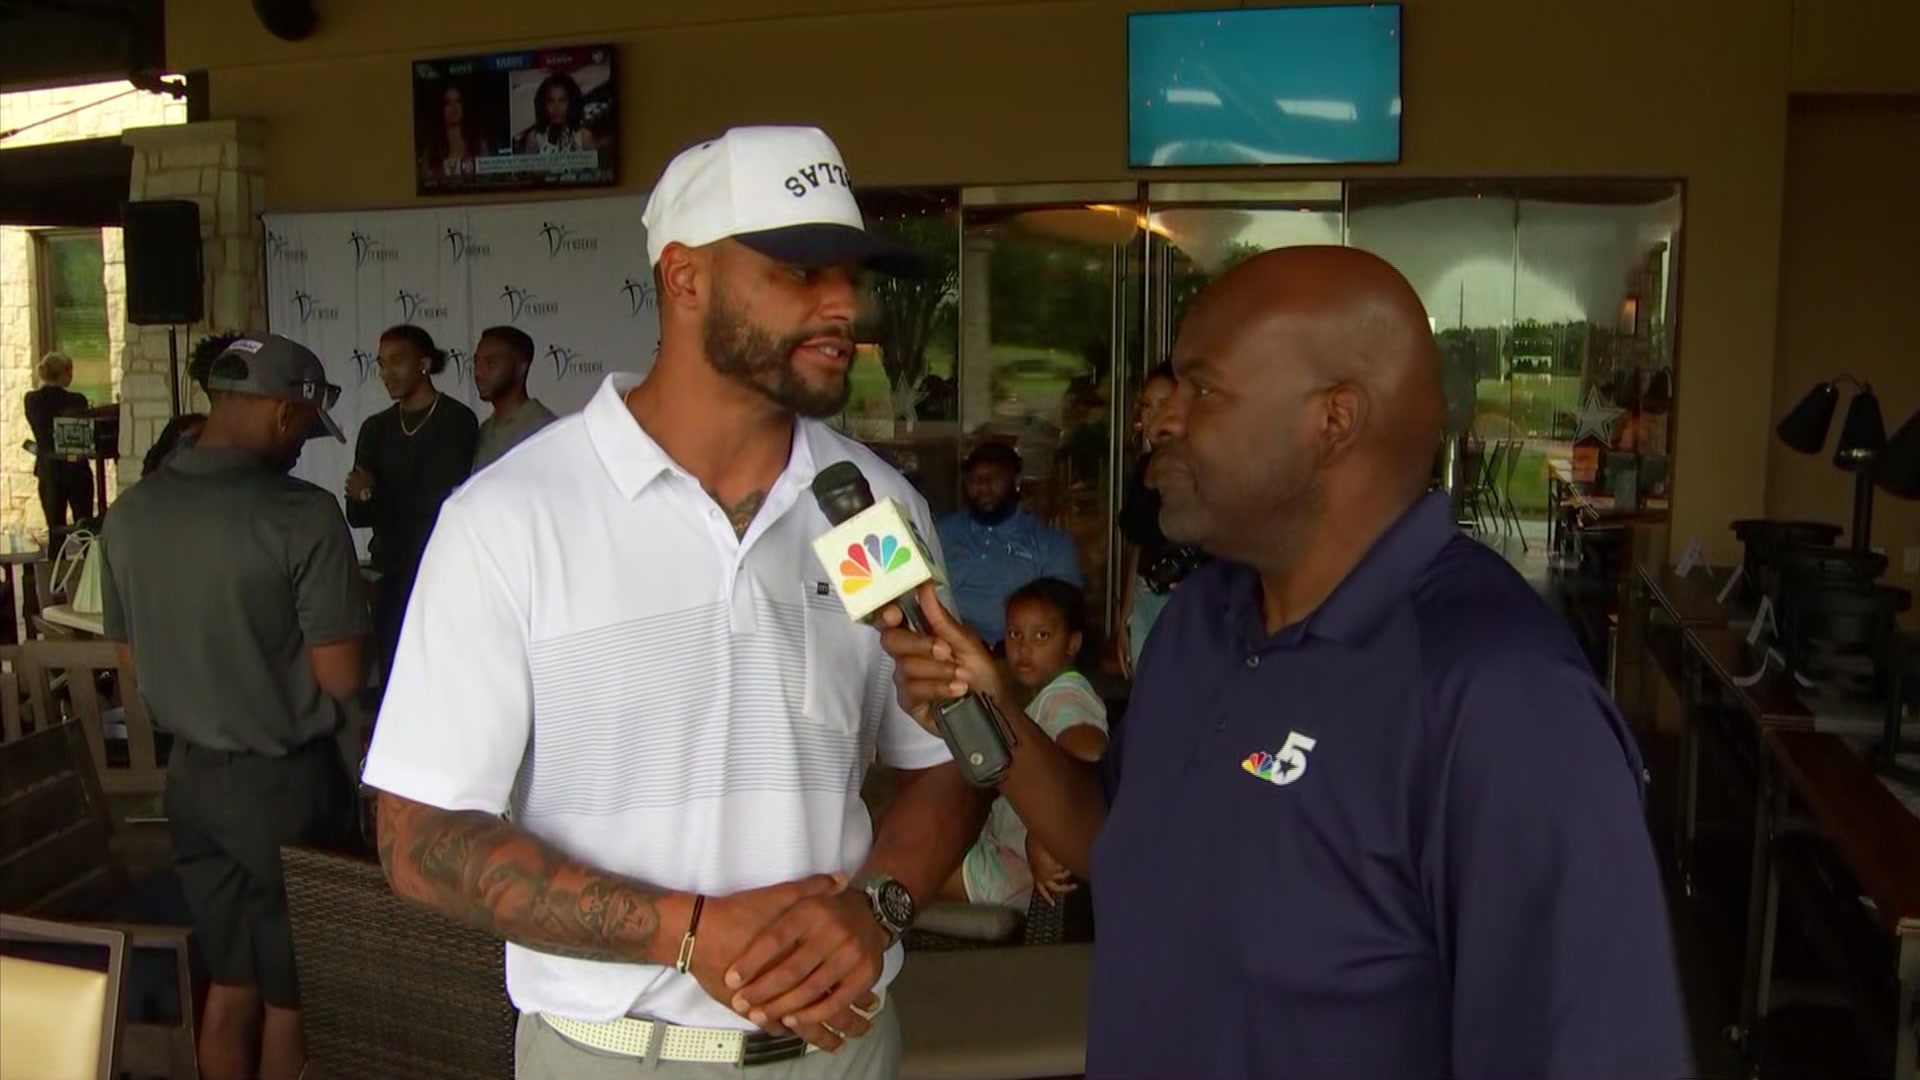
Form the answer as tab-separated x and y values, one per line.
19	491
974	368
221	165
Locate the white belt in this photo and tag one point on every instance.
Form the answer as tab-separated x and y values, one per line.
632	1037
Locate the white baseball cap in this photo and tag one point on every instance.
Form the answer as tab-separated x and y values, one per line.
782	191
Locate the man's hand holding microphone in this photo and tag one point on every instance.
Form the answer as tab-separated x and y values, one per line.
948	661
1057	795
803	956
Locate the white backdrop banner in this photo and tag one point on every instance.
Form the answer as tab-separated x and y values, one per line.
572	274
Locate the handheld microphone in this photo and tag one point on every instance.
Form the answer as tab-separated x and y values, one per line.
875	557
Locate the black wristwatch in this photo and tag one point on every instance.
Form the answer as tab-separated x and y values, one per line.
892	905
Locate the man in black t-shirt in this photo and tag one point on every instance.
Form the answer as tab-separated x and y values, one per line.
235	595
406	461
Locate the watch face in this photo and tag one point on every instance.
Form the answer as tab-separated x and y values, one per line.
894	903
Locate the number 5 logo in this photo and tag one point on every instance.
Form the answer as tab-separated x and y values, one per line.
1290	763
1283	766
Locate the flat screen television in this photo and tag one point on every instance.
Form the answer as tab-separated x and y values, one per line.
543	118
1271	86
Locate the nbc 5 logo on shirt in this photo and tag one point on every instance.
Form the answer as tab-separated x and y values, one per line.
1283	766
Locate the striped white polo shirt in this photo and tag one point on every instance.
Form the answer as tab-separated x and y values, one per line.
591	648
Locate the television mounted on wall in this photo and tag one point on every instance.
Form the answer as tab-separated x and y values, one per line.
518	121
1264	86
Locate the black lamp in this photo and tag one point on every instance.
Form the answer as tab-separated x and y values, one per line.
1862	438
1898	471
1805	428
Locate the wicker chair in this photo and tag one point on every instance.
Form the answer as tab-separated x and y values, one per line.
57	862
1067	922
387	987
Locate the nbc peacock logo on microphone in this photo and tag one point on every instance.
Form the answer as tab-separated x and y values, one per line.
874	557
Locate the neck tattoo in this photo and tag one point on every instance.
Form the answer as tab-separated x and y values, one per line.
741	513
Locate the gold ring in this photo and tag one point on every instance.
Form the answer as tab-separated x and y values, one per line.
864	1014
837	1033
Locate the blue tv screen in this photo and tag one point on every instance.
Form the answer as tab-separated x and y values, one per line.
1273	86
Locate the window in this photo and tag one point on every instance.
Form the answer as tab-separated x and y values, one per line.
72	305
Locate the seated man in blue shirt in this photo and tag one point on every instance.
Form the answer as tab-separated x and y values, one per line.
994	548
1373	816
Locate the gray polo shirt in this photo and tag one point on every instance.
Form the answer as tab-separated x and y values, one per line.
220	573
499	434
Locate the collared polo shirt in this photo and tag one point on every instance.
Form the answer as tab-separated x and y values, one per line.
499	434
221	573
988	563
1403	837
591	648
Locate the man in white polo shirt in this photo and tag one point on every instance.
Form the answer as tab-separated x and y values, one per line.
629	721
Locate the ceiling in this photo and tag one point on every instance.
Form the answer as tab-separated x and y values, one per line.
66	42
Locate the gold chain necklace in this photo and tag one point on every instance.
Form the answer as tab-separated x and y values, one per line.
409	432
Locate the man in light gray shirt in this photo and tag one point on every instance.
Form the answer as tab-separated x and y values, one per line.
500	364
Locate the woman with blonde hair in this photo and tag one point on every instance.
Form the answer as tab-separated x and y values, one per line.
65	483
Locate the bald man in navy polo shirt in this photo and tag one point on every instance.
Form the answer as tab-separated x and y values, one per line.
1372	814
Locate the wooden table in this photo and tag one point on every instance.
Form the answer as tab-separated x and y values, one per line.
1718	662
1661	607
1878	839
23	587
1564	492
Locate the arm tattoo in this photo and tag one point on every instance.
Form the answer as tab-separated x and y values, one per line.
741	513
480	870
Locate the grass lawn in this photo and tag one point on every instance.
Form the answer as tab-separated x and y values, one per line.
1528	488
1039	381
1528	404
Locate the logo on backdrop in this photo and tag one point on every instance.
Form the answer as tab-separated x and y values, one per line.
640	295
415	306
365	363
366	249
525	303
312	309
281	249
562	240
464	246
572	362
462	363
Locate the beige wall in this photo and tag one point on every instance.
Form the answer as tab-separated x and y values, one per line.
1848	286
927	91
103	109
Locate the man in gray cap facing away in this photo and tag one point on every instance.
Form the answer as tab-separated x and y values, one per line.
234	593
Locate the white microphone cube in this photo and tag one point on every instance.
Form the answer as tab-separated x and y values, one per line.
874	558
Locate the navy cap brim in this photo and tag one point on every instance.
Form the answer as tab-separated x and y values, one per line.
836	245
324	424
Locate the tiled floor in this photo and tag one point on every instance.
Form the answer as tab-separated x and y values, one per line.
1525	548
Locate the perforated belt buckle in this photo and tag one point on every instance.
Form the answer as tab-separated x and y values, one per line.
762	1049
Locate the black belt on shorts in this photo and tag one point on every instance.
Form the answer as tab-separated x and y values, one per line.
764	1049
228	757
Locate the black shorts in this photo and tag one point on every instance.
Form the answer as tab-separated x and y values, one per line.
230	813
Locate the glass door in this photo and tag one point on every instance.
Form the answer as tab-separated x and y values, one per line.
1199	231
1049	305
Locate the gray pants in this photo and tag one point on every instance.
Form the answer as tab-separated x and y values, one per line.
541	1053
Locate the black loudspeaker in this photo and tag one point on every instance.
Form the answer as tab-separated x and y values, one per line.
164	286
288	20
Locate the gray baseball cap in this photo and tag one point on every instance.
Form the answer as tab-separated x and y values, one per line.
272	366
